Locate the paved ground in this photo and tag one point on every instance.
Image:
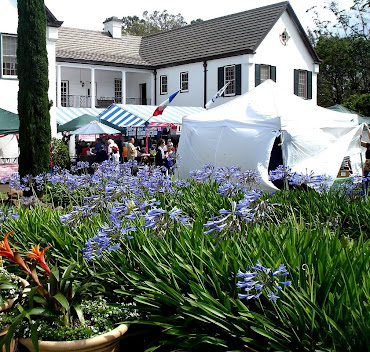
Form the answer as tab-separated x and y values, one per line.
4	188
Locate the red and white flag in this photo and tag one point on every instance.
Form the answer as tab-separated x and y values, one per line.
162	106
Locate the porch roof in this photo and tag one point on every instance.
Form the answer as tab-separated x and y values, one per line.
136	115
68	114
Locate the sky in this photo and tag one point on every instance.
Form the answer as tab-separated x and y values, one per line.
90	14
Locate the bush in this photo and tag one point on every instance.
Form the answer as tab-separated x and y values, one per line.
60	153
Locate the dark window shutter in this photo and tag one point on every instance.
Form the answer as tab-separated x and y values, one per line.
238	79
296	79
220	78
257	75
309	85
273	73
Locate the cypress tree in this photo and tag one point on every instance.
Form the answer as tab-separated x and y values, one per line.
33	101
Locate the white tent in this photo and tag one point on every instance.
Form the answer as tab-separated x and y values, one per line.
243	131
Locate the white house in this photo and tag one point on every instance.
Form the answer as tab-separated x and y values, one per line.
244	49
8	57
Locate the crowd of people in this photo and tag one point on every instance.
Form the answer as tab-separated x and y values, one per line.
160	153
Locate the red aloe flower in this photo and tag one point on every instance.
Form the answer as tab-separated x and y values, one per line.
13	256
39	257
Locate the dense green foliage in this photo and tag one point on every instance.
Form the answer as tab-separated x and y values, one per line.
359	103
343	46
345	69
185	281
33	102
152	23
60	153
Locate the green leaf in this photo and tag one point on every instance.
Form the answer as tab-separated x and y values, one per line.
62	300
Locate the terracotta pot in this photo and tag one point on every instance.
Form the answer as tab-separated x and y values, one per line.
7	306
13	343
107	342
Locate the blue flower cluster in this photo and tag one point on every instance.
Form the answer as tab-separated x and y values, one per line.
318	182
259	279
232	179
245	211
7	214
125	218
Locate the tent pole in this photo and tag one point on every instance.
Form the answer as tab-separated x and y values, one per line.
286	185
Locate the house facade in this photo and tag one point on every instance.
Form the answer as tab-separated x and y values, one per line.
241	50
8	58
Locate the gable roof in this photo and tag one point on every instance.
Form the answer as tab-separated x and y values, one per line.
226	36
75	45
51	19
235	34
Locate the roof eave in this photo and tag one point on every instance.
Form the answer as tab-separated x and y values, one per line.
103	63
51	19
303	34
205	58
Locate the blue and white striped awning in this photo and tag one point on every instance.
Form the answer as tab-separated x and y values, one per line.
121	117
67	114
136	115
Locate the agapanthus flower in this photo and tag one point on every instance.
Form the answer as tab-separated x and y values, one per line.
259	279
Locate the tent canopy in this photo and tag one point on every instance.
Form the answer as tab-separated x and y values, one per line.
125	115
9	122
341	108
81	121
65	114
95	127
243	131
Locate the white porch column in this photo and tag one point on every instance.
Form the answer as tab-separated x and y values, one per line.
92	93
59	86
123	87
152	89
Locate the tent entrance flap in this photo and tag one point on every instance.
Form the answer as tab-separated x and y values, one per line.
276	159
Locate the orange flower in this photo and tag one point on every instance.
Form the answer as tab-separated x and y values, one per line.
14	257
39	257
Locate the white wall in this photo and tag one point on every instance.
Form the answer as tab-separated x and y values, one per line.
9	87
194	97
271	51
286	58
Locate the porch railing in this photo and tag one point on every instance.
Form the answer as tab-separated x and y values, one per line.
84	101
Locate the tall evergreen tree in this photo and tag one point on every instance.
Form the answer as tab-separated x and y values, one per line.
33	101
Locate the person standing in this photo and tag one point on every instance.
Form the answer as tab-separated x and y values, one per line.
115	155
366	172
160	156
131	150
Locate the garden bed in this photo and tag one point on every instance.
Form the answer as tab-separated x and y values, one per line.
213	264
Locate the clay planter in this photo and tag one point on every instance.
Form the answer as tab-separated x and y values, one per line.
3	308
108	342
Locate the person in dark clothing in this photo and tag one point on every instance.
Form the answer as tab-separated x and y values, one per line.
366	172
160	155
101	155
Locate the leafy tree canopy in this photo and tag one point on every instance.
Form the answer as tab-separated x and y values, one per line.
344	49
154	22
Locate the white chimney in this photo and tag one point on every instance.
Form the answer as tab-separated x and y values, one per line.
113	26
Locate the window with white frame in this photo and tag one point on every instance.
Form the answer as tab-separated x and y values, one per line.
264	72
302	84
9	56
229	77
163	84
184	81
118	90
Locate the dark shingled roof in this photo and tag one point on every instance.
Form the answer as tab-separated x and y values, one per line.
231	35
235	34
76	45
51	19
